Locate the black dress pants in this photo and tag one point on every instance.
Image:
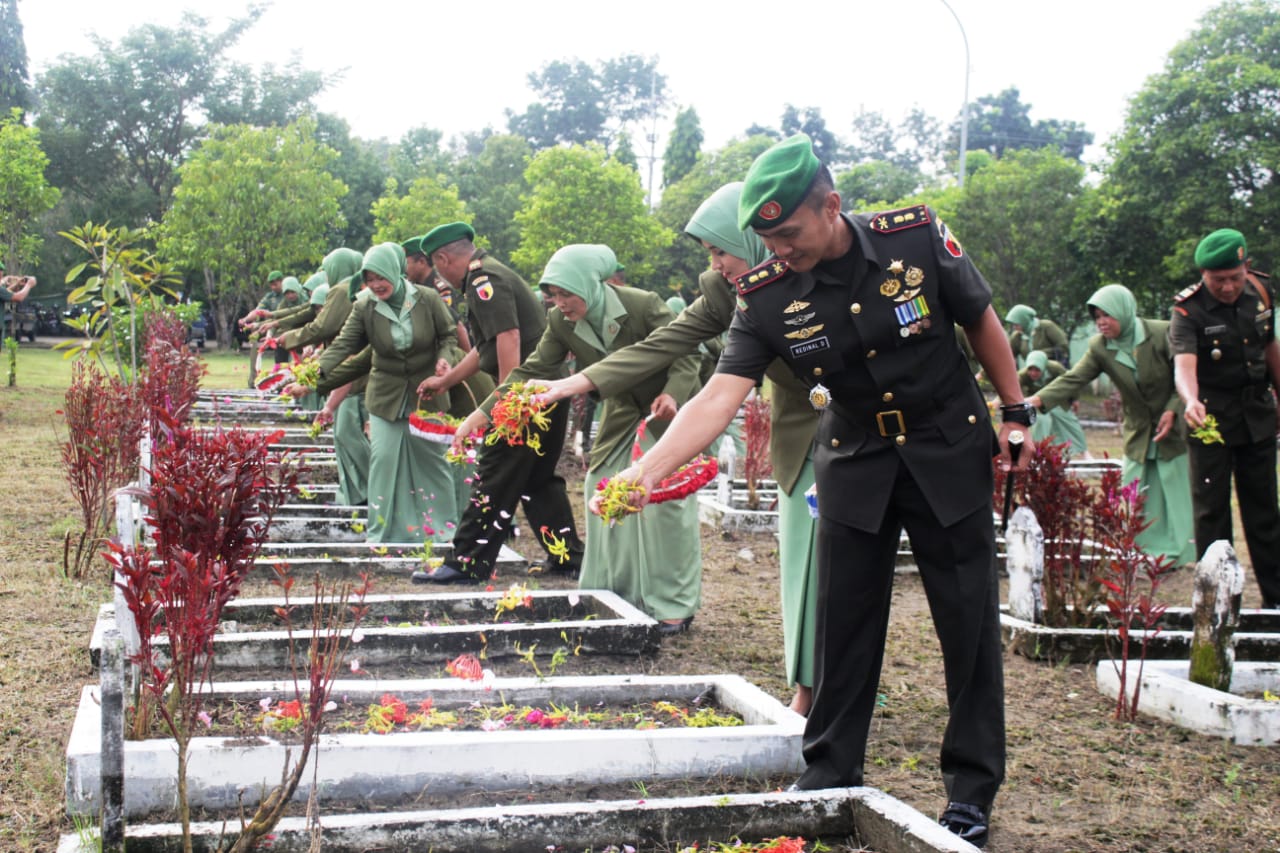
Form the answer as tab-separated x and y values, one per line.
855	581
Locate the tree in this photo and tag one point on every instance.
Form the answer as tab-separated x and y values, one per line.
682	146
825	144
492	181
580	195
362	166
119	123
878	183
1016	219
1001	122
269	97
579	103
26	193
624	153
15	88
1199	151
428	203
251	200
678	266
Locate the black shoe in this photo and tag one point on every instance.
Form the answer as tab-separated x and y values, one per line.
670	629
967	821
445	574
571	569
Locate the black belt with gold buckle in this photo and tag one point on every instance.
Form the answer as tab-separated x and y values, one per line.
891	423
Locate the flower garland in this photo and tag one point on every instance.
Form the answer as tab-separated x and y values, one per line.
434	426
273	378
520	418
615	493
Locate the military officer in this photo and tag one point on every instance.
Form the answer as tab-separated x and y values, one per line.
1226	362
506	320
862	308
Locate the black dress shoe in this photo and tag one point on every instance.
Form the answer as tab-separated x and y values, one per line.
446	574
670	629
571	569
967	821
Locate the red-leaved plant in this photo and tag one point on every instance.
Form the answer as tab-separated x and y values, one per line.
104	423
212	497
1124	570
1062	505
171	377
336	614
755	435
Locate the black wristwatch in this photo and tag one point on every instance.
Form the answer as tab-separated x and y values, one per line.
1019	413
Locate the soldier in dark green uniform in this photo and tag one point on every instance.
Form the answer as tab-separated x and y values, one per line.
506	320
861	308
1226	362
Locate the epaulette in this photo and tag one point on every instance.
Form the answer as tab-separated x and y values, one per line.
1187	292
476	264
897	220
754	279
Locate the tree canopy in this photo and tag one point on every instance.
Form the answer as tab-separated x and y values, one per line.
581	195
1199	151
250	200
26	192
15	84
428	203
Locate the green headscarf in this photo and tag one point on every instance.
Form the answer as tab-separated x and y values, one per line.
313	281
581	269
292	285
716	221
1024	316
341	264
1038	359
676	304
383	261
319	293
1116	301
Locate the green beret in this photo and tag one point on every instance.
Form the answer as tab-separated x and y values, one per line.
777	183
1222	250
443	235
413	246
274	275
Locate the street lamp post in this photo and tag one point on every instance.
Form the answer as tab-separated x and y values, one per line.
964	113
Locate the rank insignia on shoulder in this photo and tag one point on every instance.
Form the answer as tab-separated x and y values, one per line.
476	264
897	220
1187	292
754	279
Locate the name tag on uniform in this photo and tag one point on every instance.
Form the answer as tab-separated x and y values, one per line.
815	345
1215	330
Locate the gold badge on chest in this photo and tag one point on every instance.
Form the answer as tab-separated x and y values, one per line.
805	334
795	306
893	287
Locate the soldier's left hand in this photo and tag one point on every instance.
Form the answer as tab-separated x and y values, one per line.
664	407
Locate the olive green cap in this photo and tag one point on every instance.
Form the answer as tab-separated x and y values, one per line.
1222	250
274	275
413	246
443	235
777	183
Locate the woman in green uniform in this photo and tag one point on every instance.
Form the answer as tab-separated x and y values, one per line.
1060	422
409	333
1135	354
1029	333
793	419
655	564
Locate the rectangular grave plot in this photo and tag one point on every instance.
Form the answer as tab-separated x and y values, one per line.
591	621
378	768
876	820
1257	638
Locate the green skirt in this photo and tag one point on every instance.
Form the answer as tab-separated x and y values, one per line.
798	568
351	446
1063	424
1167	488
653	559
411	489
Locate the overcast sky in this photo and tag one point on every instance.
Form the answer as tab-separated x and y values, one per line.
456	66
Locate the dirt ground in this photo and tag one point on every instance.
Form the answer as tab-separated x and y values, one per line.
1077	779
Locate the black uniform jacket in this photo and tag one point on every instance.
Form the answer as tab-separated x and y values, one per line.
877	338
